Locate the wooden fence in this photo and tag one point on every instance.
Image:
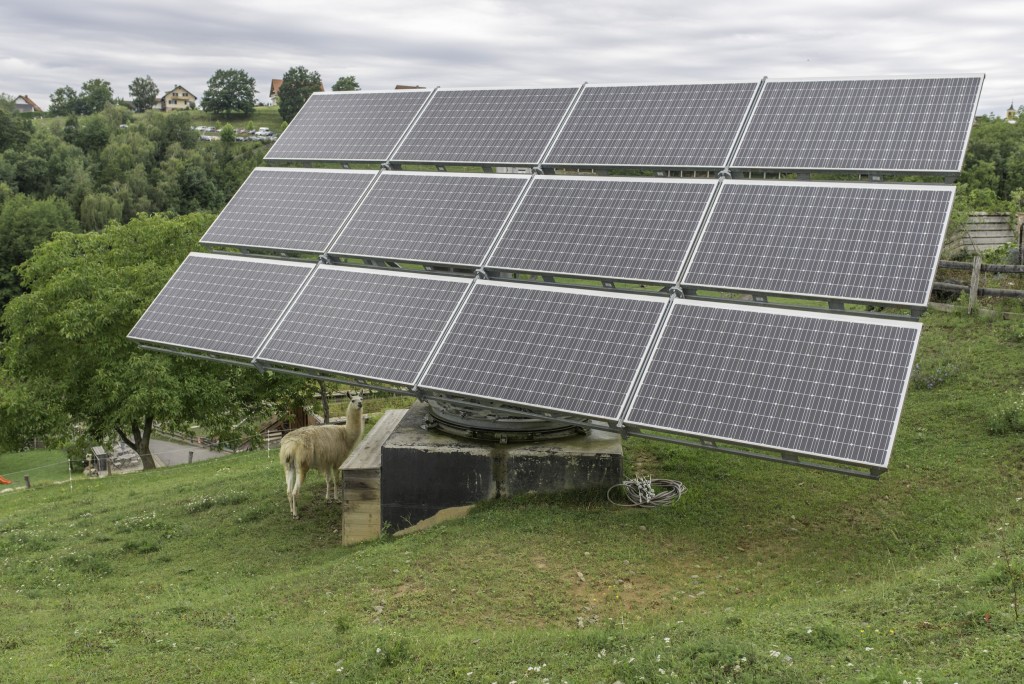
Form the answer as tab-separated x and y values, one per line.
975	290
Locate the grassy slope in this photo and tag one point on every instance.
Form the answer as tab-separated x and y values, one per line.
197	572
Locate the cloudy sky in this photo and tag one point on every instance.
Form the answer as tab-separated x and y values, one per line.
45	44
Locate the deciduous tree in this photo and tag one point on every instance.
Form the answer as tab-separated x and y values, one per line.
143	92
297	85
230	91
25	223
68	363
345	83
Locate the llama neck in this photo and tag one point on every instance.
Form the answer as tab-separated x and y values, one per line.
354	421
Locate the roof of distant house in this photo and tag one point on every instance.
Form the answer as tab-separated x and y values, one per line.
28	100
175	88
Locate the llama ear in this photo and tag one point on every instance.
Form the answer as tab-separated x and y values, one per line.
348	394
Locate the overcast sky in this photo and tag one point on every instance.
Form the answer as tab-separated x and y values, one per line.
45	44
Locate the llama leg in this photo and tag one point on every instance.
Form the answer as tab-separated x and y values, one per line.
289	485
299	475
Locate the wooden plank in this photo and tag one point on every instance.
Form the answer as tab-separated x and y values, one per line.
360	499
367	452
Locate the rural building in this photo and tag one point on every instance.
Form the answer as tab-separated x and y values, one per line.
24	104
175	99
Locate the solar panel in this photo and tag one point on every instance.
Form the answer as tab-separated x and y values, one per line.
349	126
682	125
288	209
493	126
376	325
874	243
627	229
546	347
818	384
220	304
434	218
896	124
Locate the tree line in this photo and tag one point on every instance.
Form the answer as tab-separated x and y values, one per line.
228	92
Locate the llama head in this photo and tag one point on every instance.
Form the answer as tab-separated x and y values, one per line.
356	400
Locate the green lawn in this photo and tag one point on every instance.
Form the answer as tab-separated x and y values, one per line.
262	116
761	573
41	466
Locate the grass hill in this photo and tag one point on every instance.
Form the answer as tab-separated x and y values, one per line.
761	573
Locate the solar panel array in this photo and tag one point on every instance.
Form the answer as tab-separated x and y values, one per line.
288	209
900	124
874	243
824	385
431	217
349	126
672	126
220	304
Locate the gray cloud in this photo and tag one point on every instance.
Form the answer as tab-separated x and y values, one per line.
46	44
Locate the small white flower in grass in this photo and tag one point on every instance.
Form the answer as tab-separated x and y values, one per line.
774	654
378	650
810	631
868	648
668	640
661	670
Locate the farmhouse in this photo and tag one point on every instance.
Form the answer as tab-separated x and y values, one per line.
24	104
176	99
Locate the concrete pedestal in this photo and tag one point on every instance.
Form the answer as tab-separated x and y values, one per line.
423	471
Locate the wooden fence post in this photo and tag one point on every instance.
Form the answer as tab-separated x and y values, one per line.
975	278
28	483
190	457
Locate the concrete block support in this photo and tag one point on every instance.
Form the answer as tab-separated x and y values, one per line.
423	471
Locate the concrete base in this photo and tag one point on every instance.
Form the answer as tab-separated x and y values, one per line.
423	471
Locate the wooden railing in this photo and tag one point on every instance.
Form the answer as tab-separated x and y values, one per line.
975	290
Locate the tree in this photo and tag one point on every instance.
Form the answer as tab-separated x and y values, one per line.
64	101
345	83
297	84
94	96
14	130
25	223
68	365
143	92
229	91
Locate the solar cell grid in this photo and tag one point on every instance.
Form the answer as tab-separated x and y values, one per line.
872	243
599	228
898	125
546	347
349	126
816	384
368	324
680	125
493	126
220	304
288	209
430	218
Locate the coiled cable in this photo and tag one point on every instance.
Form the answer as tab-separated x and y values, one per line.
646	492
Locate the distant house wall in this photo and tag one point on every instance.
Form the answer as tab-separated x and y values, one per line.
178	98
